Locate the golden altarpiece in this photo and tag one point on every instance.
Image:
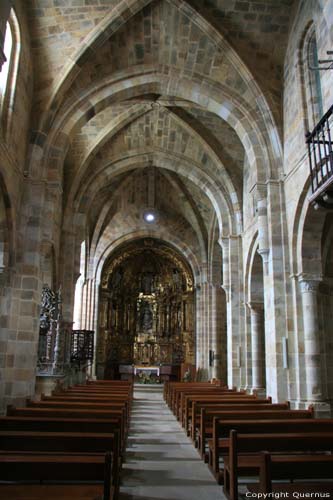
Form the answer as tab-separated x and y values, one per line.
146	313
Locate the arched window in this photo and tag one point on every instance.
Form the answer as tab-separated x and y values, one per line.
8	74
312	79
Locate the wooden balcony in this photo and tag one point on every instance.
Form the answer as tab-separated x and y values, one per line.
320	151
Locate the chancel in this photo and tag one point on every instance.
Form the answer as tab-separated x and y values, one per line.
146	311
166	247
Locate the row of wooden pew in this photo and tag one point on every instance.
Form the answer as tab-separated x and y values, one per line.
67	445
244	436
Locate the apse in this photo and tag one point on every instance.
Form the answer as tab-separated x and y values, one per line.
146	311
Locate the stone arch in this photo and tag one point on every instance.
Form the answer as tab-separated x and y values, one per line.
120	15
308	269
306	248
262	147
218	309
168	238
256	321
221	204
228	188
309	251
325	308
107	207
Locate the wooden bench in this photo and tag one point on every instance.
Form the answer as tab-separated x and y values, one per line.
64	442
216	400
175	392
84	405
245	452
78	473
53	424
218	446
307	467
180	397
66	412
194	417
210	421
169	388
221	431
186	401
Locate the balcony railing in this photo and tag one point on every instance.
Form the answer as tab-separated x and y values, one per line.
82	346
320	151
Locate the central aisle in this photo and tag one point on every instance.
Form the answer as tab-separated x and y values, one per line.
161	462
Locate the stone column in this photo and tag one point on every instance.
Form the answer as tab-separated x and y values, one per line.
202	326
199	326
263	249
216	334
257	340
272	241
231	250
312	355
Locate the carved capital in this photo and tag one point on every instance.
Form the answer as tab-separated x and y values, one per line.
259	191
309	286
255	306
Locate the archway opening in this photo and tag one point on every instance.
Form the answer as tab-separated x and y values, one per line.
146	314
256	305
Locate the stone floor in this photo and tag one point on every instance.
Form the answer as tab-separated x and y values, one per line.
161	462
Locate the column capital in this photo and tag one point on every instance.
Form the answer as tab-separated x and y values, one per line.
309	284
224	241
255	306
259	191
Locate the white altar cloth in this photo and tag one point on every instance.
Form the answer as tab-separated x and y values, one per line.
144	368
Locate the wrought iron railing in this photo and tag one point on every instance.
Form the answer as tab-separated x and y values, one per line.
320	151
82	346
54	348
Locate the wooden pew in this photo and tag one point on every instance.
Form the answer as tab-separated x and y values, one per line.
97	390
71	413
218	399
244	455
187	399
102	409
194	416
53	424
307	467
64	442
180	397
209	425
84	405
169	388
71	470
221	430
178	386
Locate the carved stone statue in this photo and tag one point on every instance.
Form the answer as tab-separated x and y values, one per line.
146	317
